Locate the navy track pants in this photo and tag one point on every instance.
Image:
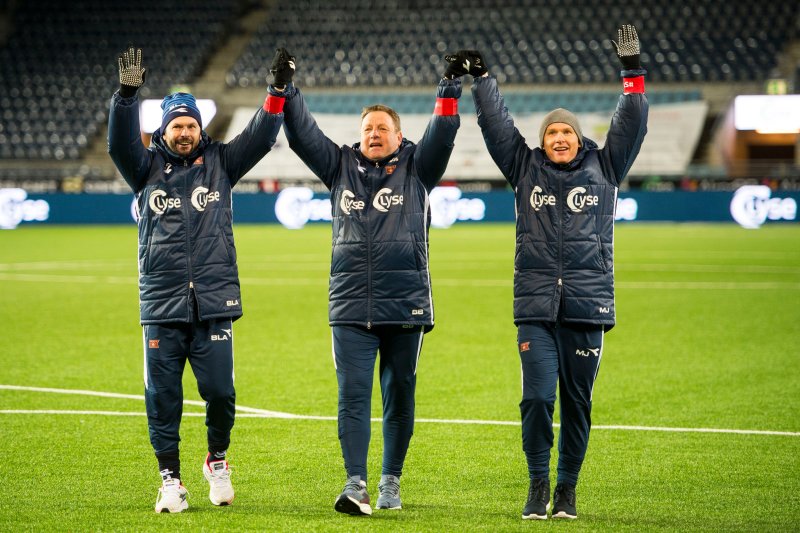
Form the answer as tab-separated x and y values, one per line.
355	350
208	346
567	355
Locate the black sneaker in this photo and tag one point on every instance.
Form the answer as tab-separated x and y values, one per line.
564	501
538	500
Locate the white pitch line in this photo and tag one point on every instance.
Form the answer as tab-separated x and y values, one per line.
253	412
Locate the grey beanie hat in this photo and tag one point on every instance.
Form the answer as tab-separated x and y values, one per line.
560	115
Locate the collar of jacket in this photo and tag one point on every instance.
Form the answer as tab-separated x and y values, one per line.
157	141
381	162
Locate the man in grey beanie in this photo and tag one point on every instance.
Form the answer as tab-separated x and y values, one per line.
565	190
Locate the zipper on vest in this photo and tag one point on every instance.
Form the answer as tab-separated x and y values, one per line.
187	214
369	251
560	283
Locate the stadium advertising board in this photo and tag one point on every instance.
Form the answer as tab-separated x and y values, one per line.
750	206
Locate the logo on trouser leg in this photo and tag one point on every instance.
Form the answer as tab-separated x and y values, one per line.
524	346
225	336
587	352
152	344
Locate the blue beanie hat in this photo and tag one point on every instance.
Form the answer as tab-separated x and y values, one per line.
179	105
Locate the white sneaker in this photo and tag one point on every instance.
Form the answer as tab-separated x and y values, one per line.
218	475
172	497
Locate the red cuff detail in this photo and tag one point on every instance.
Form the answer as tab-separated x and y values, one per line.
274	104
633	85
446	106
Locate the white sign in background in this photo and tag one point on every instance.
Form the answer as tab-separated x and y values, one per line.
673	132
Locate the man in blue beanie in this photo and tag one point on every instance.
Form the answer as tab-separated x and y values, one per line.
181	123
188	279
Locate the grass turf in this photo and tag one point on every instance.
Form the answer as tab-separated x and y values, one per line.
707	325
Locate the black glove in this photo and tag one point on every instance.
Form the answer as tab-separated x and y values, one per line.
457	65
282	68
477	67
628	47
464	62
131	73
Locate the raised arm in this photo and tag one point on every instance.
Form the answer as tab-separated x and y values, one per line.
629	123
317	151
505	143
246	149
434	149
124	135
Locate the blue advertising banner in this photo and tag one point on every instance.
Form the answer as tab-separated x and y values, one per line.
750	206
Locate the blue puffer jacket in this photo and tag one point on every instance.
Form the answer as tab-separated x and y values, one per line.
564	261
184	208
381	215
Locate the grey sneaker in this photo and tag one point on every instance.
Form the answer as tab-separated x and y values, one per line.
354	499
389	493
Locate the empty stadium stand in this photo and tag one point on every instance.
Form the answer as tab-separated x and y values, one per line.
58	68
401	43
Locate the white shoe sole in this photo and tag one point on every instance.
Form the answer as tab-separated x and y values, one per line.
182	507
351	506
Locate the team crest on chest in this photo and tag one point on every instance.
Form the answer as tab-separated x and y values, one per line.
390	169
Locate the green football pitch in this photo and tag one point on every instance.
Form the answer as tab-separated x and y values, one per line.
696	408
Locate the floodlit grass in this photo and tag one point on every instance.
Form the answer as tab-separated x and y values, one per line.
708	322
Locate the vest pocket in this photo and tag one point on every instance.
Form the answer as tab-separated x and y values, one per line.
601	254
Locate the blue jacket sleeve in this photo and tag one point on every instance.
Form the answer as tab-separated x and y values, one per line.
125	142
433	150
627	131
318	152
246	149
503	140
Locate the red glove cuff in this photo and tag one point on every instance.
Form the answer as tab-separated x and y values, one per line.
446	106
274	104
633	85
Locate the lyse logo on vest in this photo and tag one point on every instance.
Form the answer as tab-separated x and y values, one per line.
201	198
348	202
385	199
539	199
577	199
159	202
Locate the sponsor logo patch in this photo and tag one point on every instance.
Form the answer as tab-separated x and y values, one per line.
524	346
578	200
385	199
201	197
587	352
153	343
349	203
159	202
539	199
